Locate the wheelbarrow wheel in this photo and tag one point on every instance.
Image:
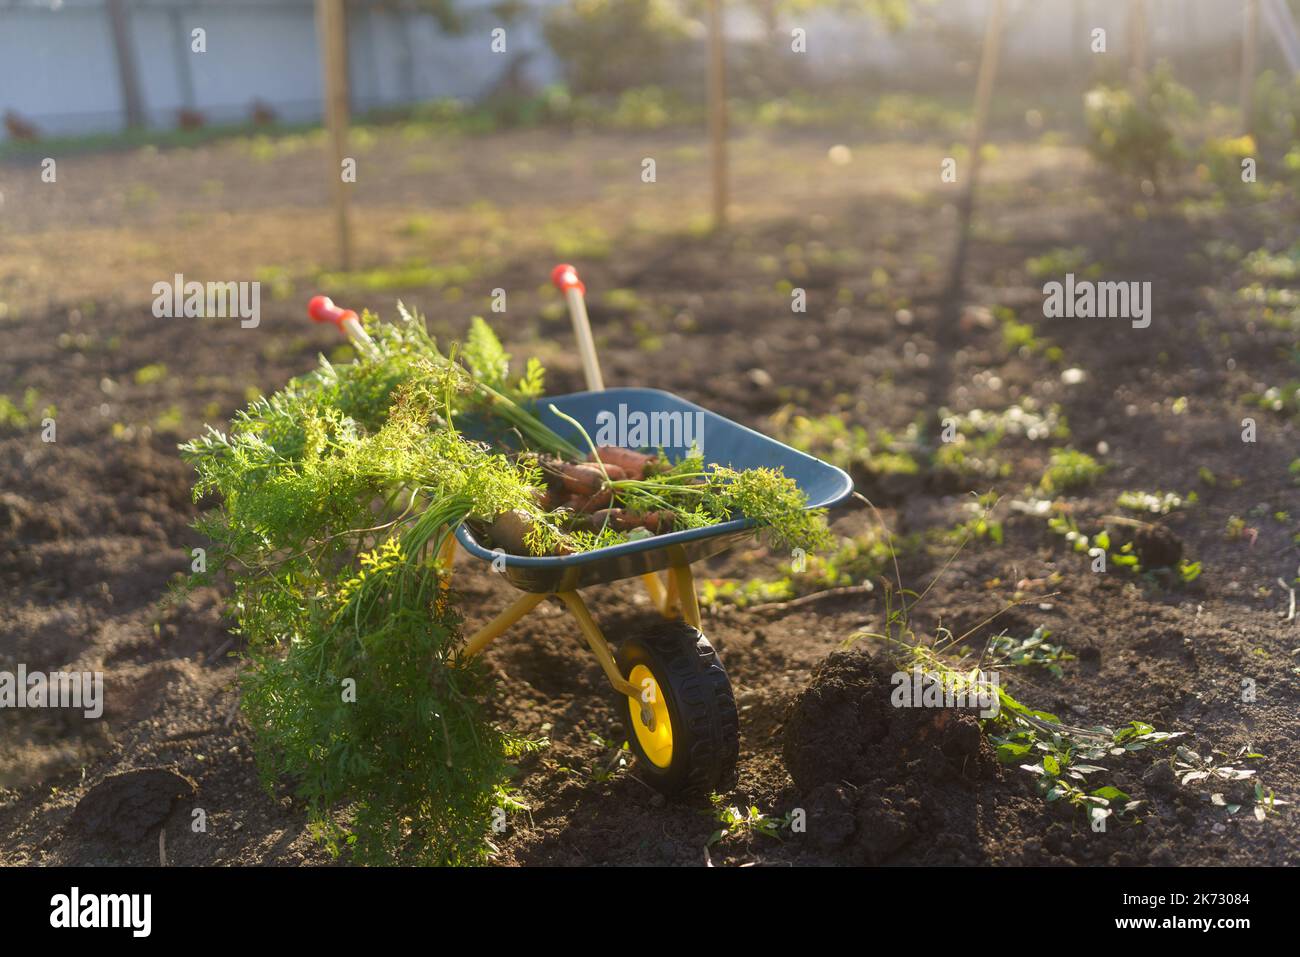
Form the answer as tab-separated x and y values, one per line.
683	727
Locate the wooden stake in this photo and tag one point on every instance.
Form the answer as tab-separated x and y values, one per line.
718	113
983	98
989	58
127	76
1079	55
331	29
1138	45
1249	45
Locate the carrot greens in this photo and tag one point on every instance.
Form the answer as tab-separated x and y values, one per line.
329	504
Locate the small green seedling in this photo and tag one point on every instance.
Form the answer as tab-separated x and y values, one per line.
1069	470
752	820
1007	652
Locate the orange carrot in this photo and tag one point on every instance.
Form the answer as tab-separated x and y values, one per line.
657	522
581	479
549	499
587	479
634	464
591	503
597	520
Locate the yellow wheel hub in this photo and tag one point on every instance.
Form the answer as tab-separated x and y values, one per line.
650	721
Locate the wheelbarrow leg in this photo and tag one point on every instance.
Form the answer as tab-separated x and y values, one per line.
596	639
670	597
678	599
690	605
658	594
493	629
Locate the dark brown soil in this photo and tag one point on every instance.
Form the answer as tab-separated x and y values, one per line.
881	781
94	525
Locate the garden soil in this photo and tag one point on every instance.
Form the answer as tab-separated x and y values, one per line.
95	525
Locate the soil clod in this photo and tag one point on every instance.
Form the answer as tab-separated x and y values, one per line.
125	807
1157	547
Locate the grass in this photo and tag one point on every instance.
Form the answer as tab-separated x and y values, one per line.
415	274
1022	338
644	108
1282	266
146	139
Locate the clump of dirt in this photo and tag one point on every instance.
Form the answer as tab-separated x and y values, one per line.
1157	547
837	727
126	807
876	777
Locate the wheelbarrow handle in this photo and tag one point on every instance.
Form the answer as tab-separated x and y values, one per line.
565	278
322	309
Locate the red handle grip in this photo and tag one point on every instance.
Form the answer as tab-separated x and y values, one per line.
322	309
565	278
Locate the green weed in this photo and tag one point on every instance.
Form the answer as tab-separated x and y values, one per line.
1069	470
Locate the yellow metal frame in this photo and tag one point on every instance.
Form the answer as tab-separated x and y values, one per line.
676	598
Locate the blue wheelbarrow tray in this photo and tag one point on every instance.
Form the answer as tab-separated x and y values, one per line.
726	443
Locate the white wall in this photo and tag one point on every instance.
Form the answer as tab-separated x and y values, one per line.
58	67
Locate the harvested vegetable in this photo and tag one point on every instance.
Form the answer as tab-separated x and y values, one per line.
633	464
333	498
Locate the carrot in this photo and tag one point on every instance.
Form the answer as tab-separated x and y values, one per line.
587	479
580	479
597	520
624	521
590	503
657	522
634	464
550	499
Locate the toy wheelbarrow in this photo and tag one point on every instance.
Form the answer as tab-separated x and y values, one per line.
680	706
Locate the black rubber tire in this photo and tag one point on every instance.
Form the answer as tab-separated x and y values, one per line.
701	707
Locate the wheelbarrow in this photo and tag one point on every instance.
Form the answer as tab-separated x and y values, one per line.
680	707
